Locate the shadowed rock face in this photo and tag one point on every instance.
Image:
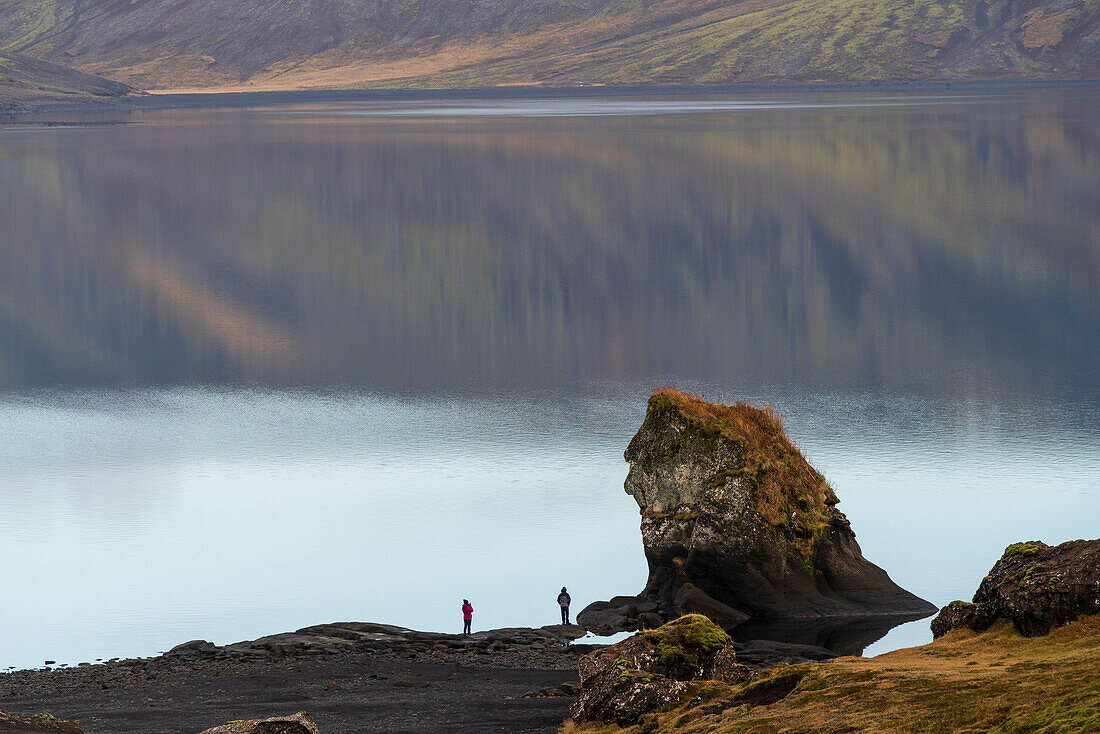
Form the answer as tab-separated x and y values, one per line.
1036	586
737	525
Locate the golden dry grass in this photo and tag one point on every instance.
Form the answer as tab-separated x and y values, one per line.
996	681
786	489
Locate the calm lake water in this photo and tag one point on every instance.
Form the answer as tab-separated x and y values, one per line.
268	367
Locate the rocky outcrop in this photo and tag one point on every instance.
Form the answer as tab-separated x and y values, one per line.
1035	586
299	723
652	670
736	525
662	666
545	647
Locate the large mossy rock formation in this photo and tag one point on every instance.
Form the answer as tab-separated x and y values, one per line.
1035	586
736	524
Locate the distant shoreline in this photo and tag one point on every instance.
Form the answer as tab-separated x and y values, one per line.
164	100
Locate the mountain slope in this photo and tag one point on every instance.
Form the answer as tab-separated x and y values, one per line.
319	43
26	80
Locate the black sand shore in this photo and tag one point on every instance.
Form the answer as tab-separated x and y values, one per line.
377	682
347	693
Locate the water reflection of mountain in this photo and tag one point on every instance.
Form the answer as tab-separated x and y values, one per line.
874	246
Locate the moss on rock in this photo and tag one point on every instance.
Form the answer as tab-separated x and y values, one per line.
1020	549
736	524
787	492
992	681
688	642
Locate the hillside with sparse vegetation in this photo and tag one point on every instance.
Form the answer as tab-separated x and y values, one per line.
254	44
25	80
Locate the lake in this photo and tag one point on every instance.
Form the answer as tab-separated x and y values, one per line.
358	358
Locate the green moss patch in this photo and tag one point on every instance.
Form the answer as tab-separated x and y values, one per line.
686	643
629	675
1021	549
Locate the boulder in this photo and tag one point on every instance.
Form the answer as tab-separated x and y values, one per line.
657	667
299	723
621	695
194	648
1035	586
619	614
736	524
690	599
653	669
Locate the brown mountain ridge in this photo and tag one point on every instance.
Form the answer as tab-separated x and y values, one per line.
259	44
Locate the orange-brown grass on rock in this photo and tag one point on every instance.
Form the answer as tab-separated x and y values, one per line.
786	489
996	681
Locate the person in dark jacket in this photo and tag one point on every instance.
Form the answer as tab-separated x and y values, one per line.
467	617
563	602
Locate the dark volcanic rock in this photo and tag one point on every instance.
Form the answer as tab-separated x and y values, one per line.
193	647
343	637
737	525
299	723
657	667
649	671
620	695
1036	586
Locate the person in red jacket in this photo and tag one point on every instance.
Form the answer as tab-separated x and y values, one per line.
467	616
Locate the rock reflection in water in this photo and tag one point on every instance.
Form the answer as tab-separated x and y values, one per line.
844	636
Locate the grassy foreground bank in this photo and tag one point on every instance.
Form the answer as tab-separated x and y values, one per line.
996	681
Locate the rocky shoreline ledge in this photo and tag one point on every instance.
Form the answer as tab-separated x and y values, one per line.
550	647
